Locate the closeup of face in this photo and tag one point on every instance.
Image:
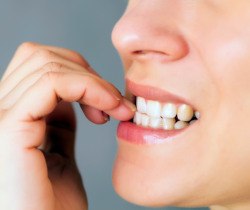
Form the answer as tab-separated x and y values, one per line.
188	56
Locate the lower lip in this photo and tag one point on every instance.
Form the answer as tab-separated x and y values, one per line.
135	134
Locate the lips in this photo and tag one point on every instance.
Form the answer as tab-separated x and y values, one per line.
151	129
153	93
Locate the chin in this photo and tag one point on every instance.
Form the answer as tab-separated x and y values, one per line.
145	179
134	186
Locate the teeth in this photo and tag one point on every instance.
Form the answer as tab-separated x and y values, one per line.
165	116
197	114
169	110
180	125
138	118
144	120
185	112
191	122
141	105
155	122
153	108
168	123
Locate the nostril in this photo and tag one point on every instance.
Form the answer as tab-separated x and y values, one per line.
151	55
139	52
143	52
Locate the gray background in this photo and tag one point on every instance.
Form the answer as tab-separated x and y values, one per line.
84	26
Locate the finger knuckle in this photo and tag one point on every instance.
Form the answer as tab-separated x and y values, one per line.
49	77
50	71
27	47
44	55
52	67
89	80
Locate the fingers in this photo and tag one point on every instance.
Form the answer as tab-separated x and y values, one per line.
37	79
27	49
14	89
43	96
36	61
120	112
94	115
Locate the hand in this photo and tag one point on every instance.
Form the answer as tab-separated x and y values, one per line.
37	126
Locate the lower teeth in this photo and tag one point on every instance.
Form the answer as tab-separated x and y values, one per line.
161	123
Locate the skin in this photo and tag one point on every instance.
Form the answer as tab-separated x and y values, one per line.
37	126
198	50
205	43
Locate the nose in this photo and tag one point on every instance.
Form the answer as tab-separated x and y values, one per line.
147	31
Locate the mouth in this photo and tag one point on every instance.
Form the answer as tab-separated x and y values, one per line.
160	116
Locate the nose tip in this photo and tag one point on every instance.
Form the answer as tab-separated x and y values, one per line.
139	37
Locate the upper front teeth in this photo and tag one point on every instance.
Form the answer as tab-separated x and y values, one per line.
157	115
153	108
168	110
141	105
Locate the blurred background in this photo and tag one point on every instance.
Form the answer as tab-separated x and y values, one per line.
84	26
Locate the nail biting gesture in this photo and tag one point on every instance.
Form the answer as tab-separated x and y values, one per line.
37	126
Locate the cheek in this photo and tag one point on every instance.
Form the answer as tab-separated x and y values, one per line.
227	59
228	62
229	67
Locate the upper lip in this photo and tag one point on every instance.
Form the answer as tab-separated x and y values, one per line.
154	93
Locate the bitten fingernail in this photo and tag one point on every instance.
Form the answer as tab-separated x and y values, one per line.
116	94
106	117
129	105
118	98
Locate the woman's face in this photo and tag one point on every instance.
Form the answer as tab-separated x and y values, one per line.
198	51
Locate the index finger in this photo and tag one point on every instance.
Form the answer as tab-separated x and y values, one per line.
25	50
42	98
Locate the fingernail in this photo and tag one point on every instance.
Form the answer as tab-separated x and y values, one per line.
115	92
117	95
129	104
105	116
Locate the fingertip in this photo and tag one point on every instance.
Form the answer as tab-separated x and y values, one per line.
94	115
124	111
129	105
114	91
